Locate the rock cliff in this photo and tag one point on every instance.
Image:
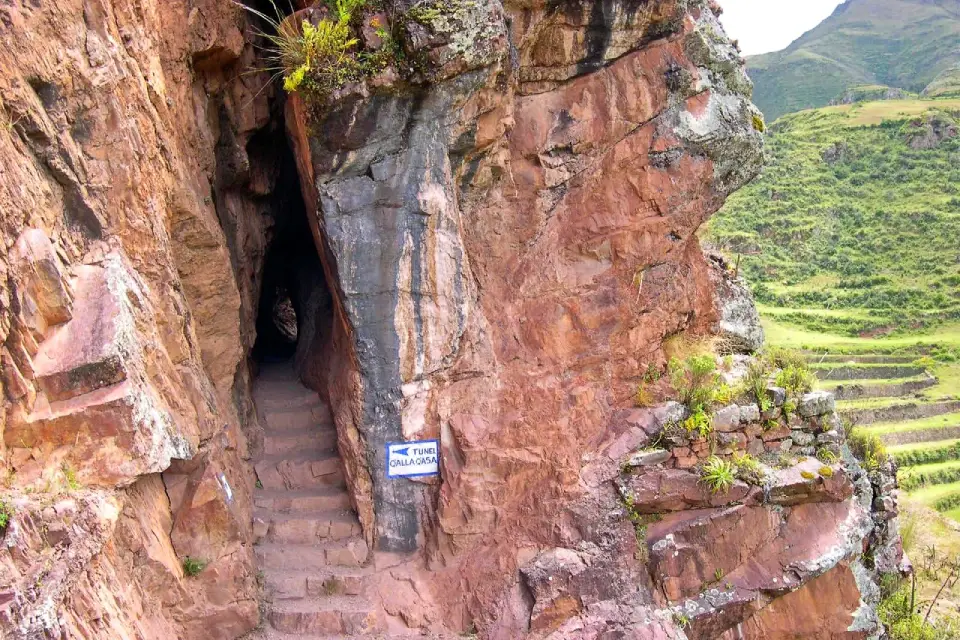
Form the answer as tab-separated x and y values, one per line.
485	242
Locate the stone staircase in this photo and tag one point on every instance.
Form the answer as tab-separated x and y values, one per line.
309	542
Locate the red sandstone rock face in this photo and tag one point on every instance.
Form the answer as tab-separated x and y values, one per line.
122	326
508	250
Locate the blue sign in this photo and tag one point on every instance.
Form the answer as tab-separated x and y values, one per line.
413	459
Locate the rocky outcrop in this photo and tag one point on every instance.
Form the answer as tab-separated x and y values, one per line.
739	324
123	330
508	246
501	233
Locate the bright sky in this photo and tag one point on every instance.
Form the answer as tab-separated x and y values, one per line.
770	25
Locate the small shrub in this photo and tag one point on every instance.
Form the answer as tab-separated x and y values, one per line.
6	513
333	586
723	394
652	374
699	423
783	358
784	460
694	379
867	448
755	381
826	456
718	474
789	408
70	476
644	397
758	123
770	424
193	566
796	380
750	470
316	59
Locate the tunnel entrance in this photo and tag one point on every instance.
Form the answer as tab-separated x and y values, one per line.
294	311
308	539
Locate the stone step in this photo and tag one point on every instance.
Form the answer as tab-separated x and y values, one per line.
306	528
296	417
338	614
298	440
292	584
282	399
346	553
305	500
309	469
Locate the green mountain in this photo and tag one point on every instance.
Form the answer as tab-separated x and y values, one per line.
854	226
907	44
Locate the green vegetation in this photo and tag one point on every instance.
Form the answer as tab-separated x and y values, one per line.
868	448
945	85
897	611
317	59
947	503
749	469
718	474
193	566
926	475
852	228
901	43
6	513
796	380
695	380
926	453
70	476
826	456
934	422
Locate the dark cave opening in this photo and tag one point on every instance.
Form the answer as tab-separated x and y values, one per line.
294	311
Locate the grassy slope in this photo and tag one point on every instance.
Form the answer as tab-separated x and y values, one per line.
867	242
921	446
900	43
945	420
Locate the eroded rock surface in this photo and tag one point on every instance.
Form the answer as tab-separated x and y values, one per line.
122	326
509	241
505	235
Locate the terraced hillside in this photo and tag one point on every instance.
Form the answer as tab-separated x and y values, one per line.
921	429
852	228
915	413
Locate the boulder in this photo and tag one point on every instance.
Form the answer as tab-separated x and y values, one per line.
816	403
739	325
726	419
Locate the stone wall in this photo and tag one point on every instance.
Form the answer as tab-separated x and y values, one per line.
755	560
131	217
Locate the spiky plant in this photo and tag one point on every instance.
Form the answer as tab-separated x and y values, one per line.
718	474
